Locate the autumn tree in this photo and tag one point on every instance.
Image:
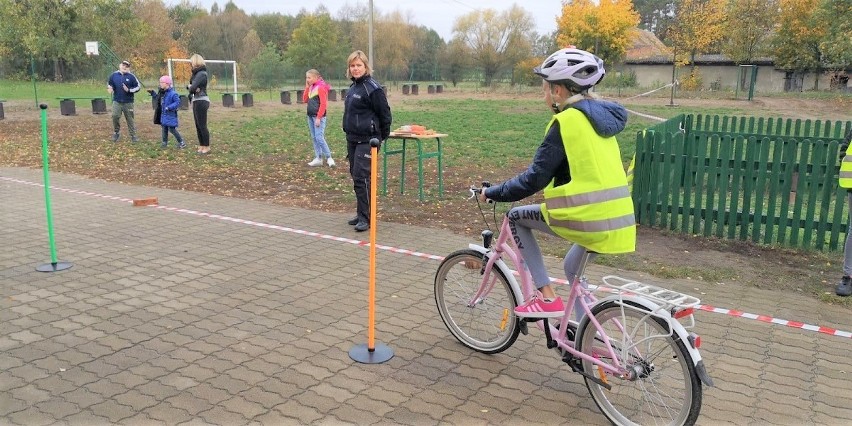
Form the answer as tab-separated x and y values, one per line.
267	69
274	28
836	43
698	24
395	49
251	47
427	46
50	30
497	40
797	37
234	25
743	43
181	71
655	15
182	13
154	38
316	44
603	28
455	61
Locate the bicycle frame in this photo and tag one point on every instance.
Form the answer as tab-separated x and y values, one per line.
507	246
637	300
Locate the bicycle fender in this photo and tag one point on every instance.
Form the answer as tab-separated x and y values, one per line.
500	264
677	327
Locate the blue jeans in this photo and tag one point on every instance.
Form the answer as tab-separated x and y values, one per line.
174	131
318	136
522	221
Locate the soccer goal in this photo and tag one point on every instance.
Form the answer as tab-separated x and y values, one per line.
171	61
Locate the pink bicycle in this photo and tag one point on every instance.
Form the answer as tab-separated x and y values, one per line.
632	347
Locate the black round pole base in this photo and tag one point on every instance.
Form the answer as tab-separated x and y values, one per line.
54	267
378	355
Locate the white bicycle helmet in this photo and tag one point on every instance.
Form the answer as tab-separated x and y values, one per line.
575	68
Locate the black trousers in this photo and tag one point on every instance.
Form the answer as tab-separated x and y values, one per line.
199	113
358	155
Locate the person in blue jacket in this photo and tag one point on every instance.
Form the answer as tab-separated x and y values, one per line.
122	85
168	102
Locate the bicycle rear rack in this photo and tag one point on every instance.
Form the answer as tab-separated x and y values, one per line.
667	299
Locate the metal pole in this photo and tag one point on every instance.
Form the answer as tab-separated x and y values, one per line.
54	264
372	353
235	76
370	37
674	76
32	76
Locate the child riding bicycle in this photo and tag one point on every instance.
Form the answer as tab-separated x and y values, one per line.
586	197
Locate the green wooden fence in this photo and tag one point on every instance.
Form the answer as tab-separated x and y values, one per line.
771	181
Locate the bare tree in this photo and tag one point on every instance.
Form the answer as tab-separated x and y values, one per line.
497	40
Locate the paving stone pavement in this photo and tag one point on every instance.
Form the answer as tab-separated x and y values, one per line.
196	317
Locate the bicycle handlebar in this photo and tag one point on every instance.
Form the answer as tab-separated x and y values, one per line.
474	191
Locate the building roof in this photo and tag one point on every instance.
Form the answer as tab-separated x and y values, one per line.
647	49
645	45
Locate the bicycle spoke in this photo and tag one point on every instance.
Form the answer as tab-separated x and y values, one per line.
661	386
487	325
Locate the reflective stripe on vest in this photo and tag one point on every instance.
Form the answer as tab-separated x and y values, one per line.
597	225
845	175
594	209
588	198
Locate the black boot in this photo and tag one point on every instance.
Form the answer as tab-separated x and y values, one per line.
844	287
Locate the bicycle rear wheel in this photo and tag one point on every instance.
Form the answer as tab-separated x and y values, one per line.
664	389
488	324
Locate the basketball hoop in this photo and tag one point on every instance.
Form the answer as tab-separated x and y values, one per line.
91	48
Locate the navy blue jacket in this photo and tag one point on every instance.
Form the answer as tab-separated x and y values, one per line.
550	161
116	80
366	111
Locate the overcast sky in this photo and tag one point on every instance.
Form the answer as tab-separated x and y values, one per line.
436	14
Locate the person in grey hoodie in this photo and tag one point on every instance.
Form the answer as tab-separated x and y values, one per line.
578	165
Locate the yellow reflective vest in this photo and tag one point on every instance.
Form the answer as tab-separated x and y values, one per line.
594	209
846	169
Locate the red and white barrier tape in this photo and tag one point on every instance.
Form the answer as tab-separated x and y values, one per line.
706	308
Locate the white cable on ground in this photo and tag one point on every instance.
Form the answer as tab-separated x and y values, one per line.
652	91
646	115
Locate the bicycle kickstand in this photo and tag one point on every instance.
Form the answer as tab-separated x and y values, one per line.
550	342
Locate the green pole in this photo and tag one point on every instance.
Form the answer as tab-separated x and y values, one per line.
47	182
54	264
752	82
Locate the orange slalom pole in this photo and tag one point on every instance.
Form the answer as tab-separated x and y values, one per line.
372	353
371	315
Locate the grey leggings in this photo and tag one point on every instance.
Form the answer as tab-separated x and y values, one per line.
847	249
522	220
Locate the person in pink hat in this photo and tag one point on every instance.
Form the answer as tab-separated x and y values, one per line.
166	114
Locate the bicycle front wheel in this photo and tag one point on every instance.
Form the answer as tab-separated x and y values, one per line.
487	324
660	386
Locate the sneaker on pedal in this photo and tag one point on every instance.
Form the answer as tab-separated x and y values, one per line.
844	287
537	307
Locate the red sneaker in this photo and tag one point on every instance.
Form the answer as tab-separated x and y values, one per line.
536	307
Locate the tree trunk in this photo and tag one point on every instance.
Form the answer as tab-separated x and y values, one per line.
58	70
